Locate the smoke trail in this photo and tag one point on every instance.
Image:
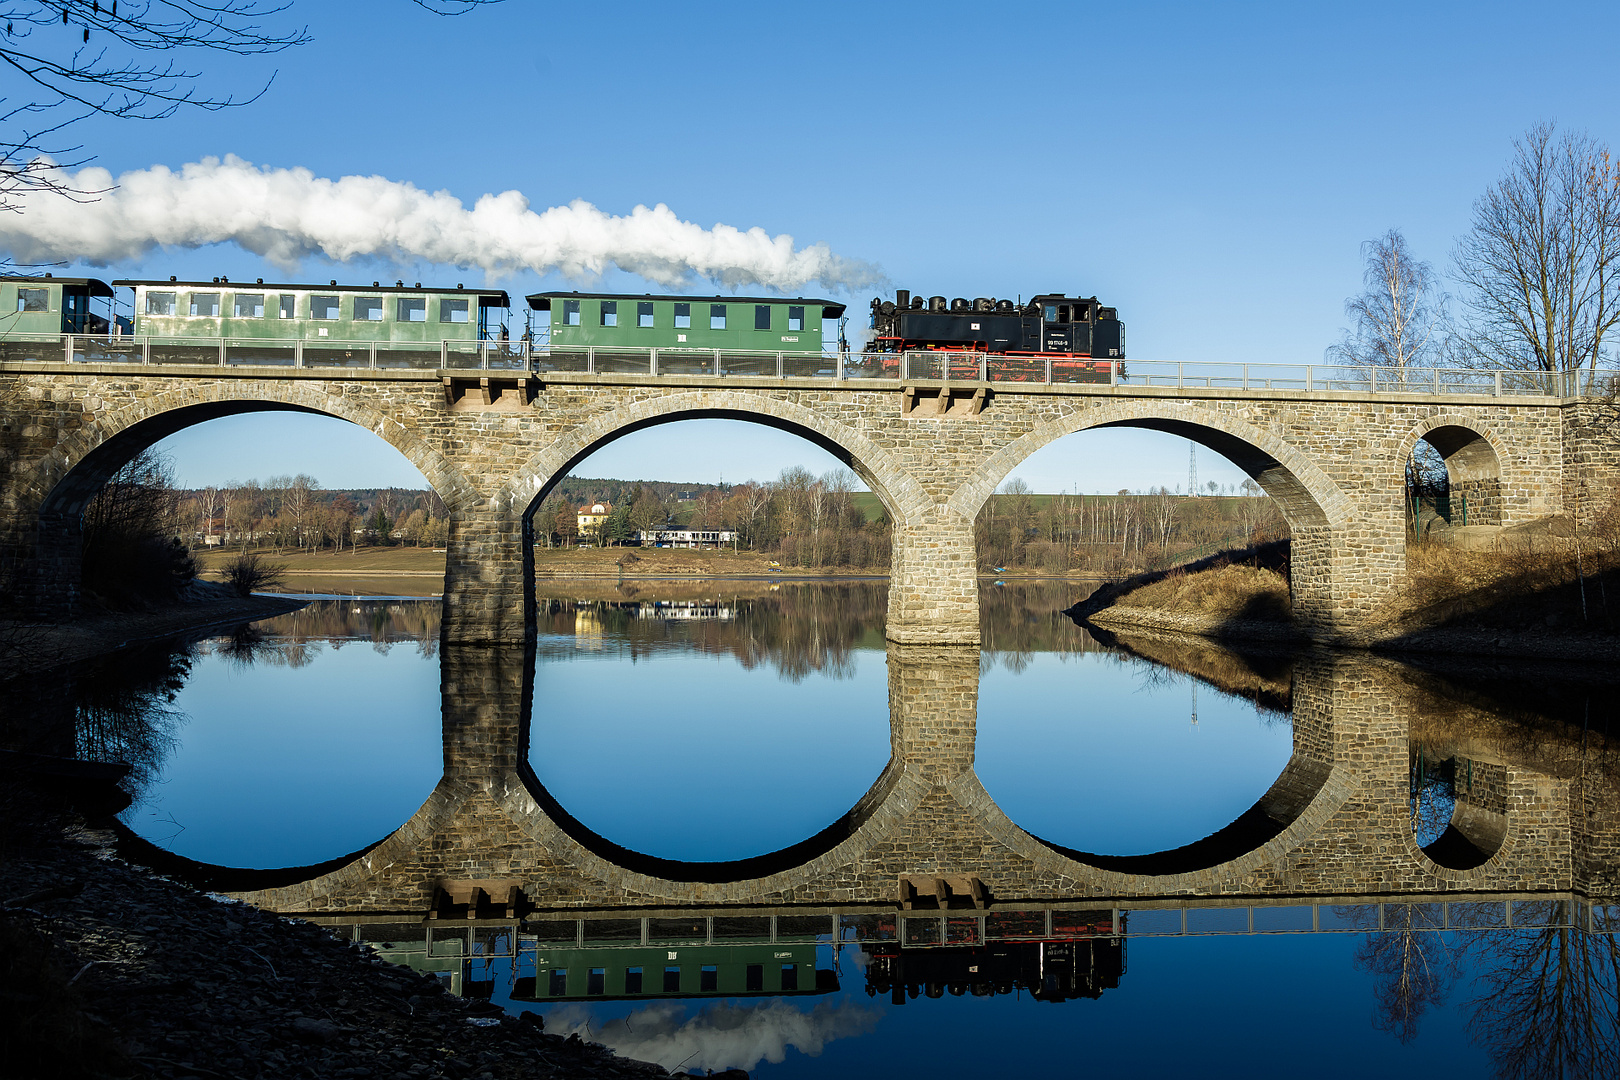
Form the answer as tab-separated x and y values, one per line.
287	215
722	1036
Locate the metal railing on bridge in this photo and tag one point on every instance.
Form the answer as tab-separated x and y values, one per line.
937	366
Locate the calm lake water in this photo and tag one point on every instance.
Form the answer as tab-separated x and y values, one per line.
707	724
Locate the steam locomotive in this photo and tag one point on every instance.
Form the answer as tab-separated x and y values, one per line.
1051	326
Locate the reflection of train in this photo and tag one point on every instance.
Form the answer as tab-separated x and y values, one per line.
1077	332
1053	956
1046	970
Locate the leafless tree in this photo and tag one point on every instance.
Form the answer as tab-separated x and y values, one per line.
297	499
1413	966
1541	262
1550	1005
211	503
1398	318
74	60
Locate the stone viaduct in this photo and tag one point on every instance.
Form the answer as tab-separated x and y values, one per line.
492	443
1538	816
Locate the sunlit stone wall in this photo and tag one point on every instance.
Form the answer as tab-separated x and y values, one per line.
1333	461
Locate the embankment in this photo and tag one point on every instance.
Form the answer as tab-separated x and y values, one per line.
1552	605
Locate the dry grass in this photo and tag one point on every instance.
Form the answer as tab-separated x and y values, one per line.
1505	590
1225	592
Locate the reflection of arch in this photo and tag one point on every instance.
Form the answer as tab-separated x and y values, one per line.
901	494
1306	495
843	833
1473	454
1297	786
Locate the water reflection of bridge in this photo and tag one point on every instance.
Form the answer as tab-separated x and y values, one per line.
1540	814
1054	952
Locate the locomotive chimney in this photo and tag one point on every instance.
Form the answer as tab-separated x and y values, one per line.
902	298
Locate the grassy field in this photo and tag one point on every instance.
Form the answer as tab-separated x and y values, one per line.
384	560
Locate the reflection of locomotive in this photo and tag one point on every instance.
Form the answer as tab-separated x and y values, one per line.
1053	325
1047	970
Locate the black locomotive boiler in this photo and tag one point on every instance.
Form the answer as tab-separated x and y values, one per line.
1051	326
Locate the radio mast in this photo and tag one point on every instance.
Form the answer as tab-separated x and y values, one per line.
1192	468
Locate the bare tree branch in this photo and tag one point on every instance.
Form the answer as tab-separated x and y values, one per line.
1541	263
74	59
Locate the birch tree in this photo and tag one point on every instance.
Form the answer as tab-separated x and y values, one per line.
1399	317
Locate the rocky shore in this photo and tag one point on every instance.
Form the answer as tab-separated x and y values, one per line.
114	971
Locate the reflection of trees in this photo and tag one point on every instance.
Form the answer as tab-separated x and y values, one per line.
798	631
1549	1005
294	640
1412	965
1431	794
1546	997
124	712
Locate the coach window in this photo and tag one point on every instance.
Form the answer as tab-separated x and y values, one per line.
762	316
157	303
717	316
323	307
289	306
453	311
205	304
249	306
610	313
644	313
368	309
412	309
683	316
795	318
570	312
40	300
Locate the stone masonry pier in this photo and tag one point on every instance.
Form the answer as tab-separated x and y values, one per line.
1333	460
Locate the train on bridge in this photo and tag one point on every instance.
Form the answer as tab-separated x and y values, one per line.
1071	339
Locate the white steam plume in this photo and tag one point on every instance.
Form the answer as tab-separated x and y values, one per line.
721	1036
287	215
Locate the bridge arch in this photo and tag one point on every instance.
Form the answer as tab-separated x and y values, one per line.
1316	508
933	590
1473	453
63	481
900	493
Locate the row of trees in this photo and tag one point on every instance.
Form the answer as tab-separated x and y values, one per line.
803	519
1112	534
294	512
1538	273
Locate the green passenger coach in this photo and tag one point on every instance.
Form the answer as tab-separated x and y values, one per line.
285	313
733	323
53	305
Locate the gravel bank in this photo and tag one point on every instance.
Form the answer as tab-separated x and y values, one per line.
137	975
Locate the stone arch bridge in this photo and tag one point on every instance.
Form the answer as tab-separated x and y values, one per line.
492	443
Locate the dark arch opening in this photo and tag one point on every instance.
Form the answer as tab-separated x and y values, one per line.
1467	490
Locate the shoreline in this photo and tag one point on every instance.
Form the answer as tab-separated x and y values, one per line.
28	648
1441	641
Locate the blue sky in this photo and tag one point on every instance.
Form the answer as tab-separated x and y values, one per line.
1211	170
